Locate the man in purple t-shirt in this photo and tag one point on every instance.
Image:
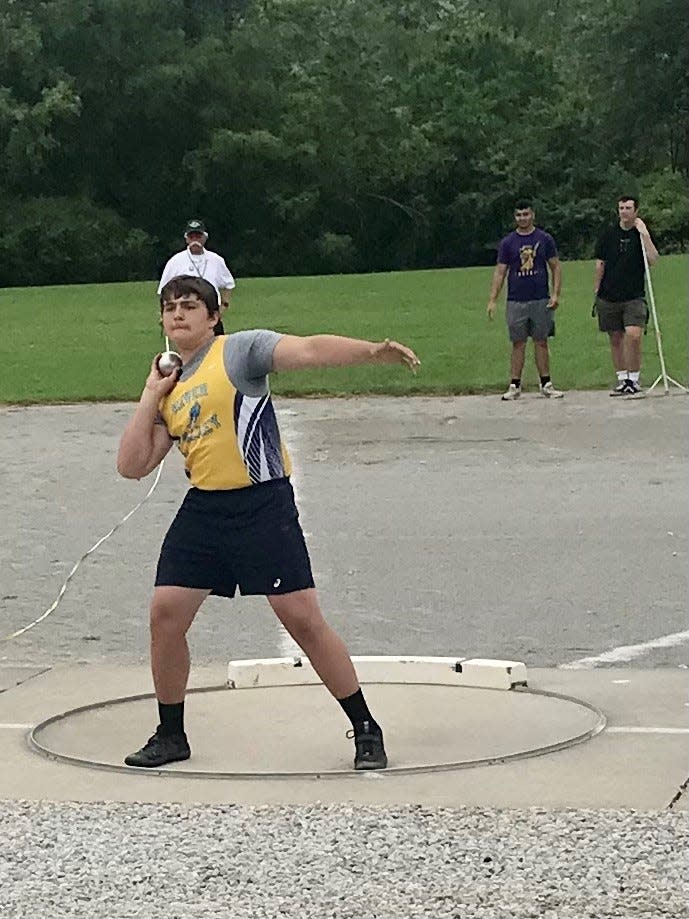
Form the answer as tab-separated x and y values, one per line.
525	257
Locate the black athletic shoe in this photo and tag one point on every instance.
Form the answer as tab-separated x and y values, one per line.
160	749
627	388
620	389
368	743
632	389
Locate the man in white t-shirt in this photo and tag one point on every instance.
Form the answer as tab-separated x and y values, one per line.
199	262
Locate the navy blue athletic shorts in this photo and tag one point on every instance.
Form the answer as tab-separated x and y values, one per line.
249	538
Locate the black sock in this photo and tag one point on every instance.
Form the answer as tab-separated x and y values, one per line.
545	380
356	710
516	381
171	718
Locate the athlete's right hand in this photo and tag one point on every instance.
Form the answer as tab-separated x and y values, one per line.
490	309
157	383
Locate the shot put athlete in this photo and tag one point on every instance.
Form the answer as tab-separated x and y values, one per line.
238	526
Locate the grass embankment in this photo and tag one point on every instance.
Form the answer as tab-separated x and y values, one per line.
95	342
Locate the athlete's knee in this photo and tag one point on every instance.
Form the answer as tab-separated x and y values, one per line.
305	626
166	617
633	332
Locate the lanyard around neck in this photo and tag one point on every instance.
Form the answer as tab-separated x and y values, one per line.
199	271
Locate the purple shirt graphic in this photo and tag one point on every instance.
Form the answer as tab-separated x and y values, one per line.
526	257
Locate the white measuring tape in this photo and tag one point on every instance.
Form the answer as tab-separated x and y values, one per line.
85	555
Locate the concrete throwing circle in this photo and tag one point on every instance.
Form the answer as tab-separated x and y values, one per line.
299	731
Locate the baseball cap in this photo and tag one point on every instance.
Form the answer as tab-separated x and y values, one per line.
195	226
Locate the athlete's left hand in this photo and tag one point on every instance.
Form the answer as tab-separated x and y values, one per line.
553	303
392	352
641	226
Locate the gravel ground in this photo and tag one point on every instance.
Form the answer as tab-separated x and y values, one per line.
121	861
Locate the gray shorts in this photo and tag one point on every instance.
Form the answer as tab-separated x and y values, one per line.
529	319
615	317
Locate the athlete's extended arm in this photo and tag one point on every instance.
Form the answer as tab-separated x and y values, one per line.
294	352
144	443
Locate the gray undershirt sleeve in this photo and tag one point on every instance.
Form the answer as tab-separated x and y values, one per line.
248	359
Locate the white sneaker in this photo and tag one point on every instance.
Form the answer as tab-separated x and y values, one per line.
550	392
513	392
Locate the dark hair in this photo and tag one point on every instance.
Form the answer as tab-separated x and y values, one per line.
188	284
629	198
524	204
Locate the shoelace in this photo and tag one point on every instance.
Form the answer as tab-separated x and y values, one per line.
365	740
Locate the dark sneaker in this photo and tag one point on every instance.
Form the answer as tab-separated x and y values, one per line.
620	389
632	389
368	742
160	749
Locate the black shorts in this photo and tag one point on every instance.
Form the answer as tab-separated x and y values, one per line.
248	538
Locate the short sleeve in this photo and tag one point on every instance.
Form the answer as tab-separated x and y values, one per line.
601	251
171	270
165	276
248	359
225	279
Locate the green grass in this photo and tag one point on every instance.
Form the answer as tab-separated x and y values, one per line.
95	342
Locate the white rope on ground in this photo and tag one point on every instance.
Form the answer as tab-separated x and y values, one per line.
85	555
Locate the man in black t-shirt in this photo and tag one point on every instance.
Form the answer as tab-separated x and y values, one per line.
619	286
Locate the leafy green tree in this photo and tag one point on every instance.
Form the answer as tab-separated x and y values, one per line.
37	102
635	57
664	203
67	241
334	135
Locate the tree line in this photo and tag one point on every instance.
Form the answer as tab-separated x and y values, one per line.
318	136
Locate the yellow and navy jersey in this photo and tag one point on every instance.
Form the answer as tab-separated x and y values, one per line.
221	415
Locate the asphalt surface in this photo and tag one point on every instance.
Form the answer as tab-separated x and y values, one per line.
541	531
554	533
